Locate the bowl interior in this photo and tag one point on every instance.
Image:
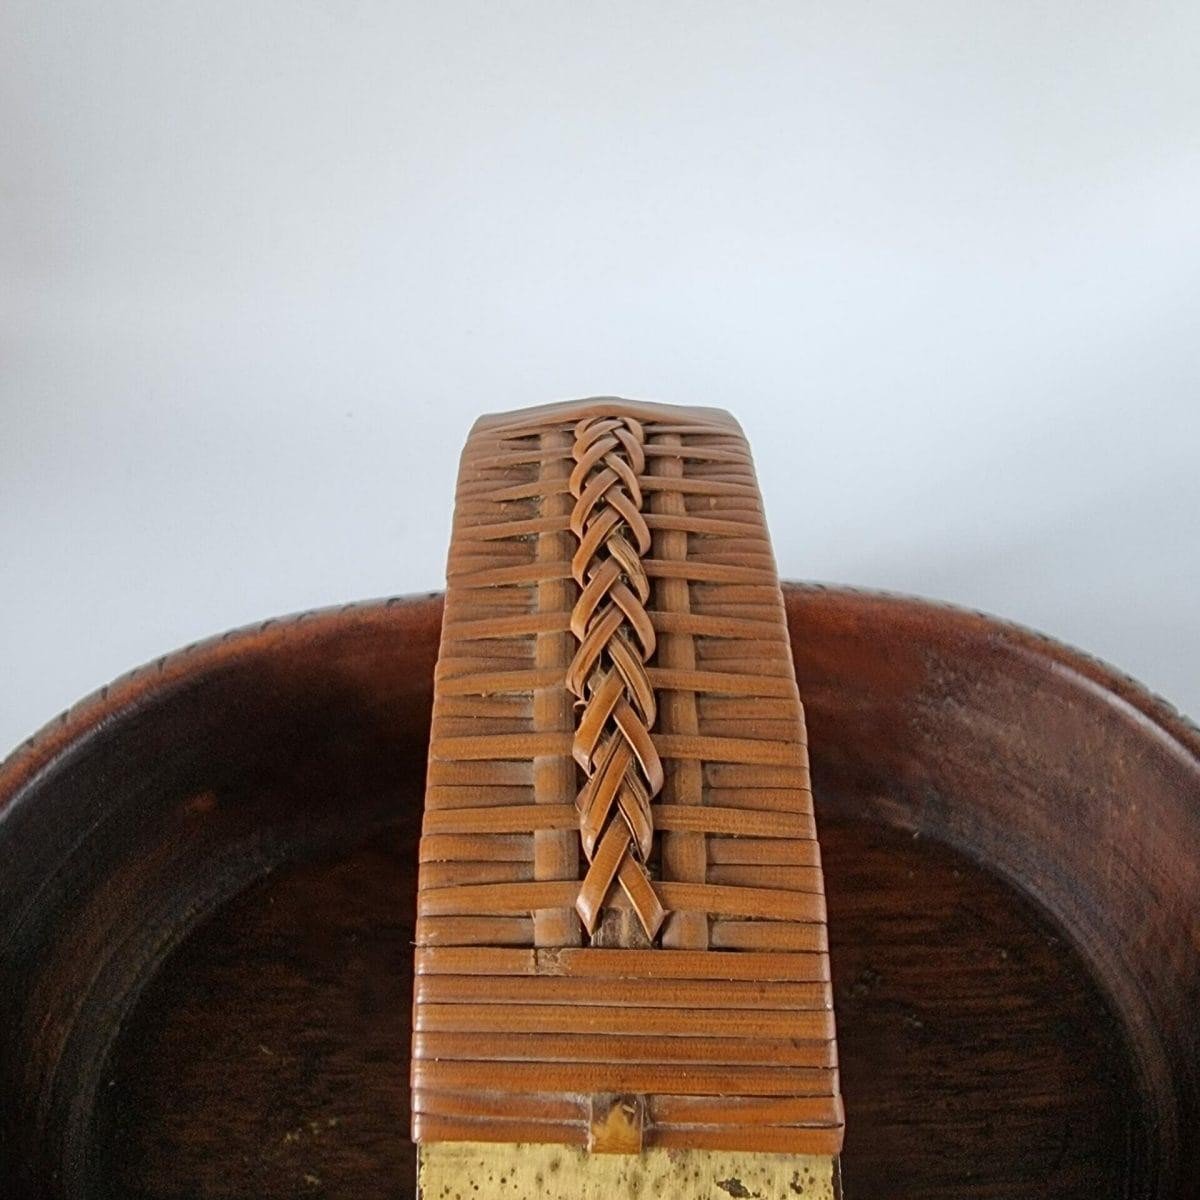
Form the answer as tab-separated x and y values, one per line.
208	926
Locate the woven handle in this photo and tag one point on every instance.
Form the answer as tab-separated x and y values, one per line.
621	919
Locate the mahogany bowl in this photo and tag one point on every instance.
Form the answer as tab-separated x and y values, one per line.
206	913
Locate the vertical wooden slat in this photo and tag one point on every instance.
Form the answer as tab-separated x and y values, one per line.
684	855
555	852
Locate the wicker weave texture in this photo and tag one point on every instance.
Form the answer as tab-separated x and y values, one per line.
620	889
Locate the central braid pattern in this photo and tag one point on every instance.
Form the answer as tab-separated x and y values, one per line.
608	673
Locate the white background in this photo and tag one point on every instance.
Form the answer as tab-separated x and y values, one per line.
261	262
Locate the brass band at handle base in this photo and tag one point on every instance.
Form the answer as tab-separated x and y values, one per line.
621	943
549	1172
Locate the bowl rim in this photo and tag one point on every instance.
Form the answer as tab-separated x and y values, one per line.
154	680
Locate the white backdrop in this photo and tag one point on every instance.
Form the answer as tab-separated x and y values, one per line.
262	261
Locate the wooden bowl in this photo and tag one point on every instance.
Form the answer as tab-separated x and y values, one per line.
206	910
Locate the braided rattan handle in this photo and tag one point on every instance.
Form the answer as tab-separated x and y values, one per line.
608	673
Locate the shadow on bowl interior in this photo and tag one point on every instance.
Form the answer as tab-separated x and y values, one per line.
206	913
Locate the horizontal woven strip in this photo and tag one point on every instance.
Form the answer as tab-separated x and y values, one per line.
646	1049
701	1111
767	1139
622	964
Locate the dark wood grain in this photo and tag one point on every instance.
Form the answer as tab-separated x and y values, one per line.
946	983
207	889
